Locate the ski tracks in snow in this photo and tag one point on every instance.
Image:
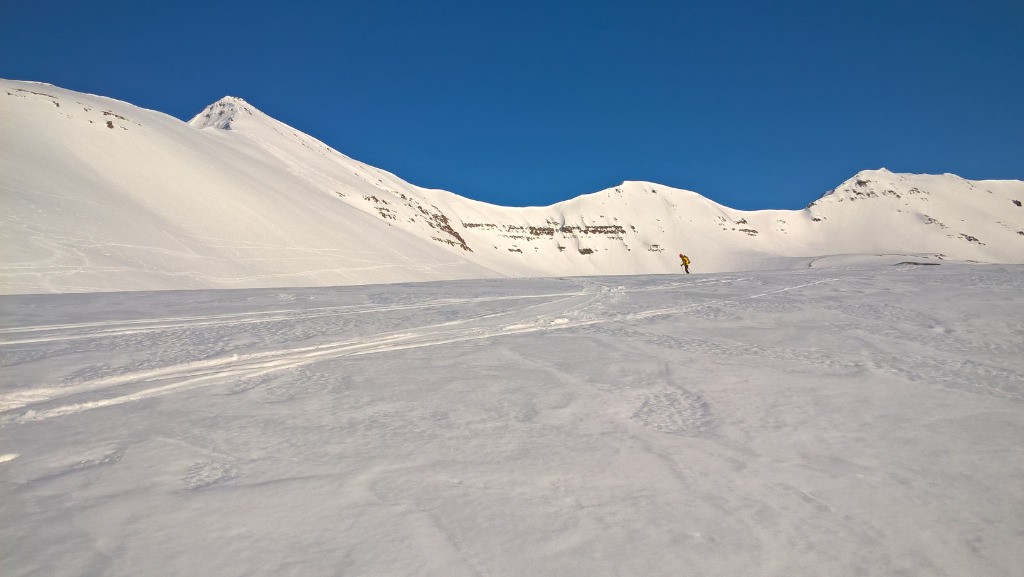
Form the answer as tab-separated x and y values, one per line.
590	302
134	385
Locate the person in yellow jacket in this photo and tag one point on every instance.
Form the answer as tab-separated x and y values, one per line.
686	263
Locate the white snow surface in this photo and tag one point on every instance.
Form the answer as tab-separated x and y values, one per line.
846	419
100	195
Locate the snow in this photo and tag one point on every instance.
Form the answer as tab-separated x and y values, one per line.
858	416
100	195
153	203
367	377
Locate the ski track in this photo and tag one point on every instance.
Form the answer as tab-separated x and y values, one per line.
118	328
561	311
558	311
200	372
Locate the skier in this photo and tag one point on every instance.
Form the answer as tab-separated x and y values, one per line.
686	263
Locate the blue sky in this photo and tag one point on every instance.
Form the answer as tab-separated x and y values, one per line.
753	104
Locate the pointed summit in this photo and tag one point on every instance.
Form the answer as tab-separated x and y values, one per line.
223	113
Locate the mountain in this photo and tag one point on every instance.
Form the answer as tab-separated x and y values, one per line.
100	195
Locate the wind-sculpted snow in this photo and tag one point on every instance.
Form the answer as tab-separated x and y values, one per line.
857	420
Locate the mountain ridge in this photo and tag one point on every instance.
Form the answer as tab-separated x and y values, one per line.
103	195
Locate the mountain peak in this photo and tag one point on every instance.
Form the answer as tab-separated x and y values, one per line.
223	113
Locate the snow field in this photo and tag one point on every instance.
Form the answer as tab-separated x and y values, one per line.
843	421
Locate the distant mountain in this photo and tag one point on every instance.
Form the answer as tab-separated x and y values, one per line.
100	195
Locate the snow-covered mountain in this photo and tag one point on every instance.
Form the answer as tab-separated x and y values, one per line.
100	195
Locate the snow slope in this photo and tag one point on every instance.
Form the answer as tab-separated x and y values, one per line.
101	195
826	421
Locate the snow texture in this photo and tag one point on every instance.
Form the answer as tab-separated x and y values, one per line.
843	419
100	195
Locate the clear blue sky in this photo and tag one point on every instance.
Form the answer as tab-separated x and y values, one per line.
754	104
